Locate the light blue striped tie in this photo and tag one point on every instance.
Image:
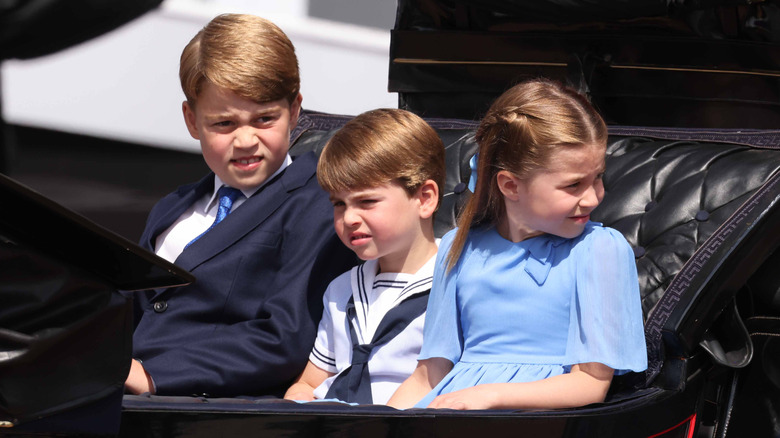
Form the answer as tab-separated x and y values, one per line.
227	195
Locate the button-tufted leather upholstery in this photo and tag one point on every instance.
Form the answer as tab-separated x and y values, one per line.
670	192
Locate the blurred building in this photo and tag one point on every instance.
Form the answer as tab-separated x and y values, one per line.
124	85
98	127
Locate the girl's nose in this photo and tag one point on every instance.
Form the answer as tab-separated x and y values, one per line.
592	196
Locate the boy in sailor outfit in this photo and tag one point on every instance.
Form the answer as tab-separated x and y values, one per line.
383	171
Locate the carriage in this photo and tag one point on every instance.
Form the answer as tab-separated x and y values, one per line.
690	94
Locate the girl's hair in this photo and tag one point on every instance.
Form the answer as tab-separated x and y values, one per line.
520	131
382	146
245	54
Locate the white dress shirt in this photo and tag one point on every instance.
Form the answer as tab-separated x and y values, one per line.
199	217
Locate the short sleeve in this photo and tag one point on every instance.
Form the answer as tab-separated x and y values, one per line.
606	318
442	336
322	354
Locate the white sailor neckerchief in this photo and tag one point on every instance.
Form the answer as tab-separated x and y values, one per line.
362	280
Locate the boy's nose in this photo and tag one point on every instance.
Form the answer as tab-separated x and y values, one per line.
351	217
245	137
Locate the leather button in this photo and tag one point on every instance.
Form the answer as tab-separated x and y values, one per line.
160	306
459	188
702	216
650	205
639	251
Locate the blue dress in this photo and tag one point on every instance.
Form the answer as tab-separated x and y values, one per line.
520	312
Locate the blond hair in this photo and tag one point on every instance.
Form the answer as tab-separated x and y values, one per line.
382	146
245	54
519	133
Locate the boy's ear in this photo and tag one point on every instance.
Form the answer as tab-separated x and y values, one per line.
190	120
295	111
508	184
428	193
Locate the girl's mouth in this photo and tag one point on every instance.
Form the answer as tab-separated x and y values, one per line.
580	219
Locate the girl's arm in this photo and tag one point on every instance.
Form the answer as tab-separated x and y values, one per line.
303	388
428	374
586	383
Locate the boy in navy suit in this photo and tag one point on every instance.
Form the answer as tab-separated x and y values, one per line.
383	171
255	232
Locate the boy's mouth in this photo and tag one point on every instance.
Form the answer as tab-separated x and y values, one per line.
359	238
246	161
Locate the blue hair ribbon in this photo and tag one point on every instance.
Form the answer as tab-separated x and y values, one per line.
473	177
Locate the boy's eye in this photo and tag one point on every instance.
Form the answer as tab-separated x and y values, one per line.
573	185
222	123
600	176
337	203
368	201
266	119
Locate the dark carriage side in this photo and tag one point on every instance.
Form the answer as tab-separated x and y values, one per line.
694	210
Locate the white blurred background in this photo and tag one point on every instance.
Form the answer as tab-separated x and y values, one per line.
124	85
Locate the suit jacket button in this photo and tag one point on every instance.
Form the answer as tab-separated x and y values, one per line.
160	306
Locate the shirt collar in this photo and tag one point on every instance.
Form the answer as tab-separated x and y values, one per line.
249	192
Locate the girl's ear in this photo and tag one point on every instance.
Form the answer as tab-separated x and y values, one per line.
508	184
428	194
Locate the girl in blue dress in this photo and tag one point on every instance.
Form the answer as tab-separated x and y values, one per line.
533	305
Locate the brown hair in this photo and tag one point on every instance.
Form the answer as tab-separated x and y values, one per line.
382	146
519	133
246	54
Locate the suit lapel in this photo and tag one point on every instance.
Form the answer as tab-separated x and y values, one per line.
183	198
250	215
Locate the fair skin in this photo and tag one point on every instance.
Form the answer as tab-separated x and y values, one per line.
138	381
383	223
243	142
556	200
387	224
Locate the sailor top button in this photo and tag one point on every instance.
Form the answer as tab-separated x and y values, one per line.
160	306
459	188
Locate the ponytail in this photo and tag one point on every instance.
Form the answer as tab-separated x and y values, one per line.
518	134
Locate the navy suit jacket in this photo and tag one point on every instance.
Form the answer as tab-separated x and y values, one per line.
247	324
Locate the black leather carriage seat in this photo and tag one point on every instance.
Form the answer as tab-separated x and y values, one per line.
669	192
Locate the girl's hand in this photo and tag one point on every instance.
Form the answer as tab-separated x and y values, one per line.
476	397
586	383
428	374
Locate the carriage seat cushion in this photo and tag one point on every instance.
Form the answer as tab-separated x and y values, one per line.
667	196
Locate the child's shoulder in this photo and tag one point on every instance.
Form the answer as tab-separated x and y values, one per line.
597	237
343	282
475	234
